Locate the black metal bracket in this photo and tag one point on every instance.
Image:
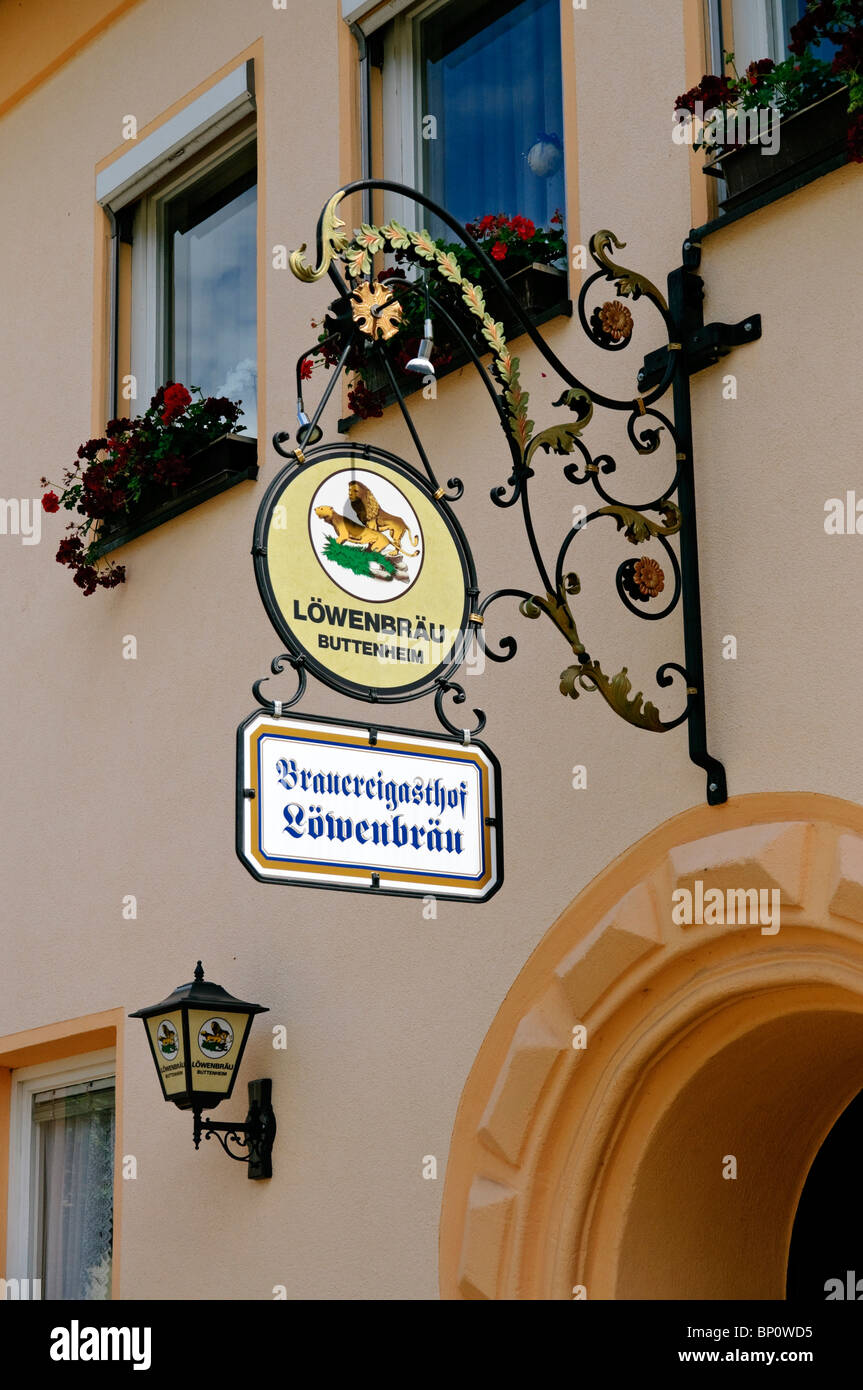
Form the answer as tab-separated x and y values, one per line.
701	347
256	1134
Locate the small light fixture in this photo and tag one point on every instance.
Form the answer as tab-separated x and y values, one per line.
197	1037
304	434
422	363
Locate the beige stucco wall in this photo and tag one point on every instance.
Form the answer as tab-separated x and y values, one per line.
119	775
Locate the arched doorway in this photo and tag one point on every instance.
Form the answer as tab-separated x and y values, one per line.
826	1256
711	1050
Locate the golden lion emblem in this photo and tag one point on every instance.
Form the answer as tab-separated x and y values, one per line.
347	530
369	512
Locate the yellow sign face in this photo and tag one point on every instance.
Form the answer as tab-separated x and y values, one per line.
166	1035
363	573
213	1042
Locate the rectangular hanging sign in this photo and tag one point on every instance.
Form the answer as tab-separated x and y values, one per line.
332	804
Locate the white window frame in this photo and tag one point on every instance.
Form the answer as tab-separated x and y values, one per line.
26	1082
401	96
758	31
149	364
133	177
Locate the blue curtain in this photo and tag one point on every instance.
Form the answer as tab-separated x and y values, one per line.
492	80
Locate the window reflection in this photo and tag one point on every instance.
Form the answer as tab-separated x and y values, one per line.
213	310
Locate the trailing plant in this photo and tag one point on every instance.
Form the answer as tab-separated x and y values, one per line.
142	460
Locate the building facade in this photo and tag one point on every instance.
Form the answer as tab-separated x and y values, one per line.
570	1089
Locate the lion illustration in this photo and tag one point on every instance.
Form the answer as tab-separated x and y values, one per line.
368	509
347	530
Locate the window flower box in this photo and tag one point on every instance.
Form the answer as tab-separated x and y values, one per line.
181	451
807	138
220	465
538	289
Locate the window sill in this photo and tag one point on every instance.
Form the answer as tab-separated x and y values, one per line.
813	143
563	308
221	465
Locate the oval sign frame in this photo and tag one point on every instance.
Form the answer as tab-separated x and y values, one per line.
362	457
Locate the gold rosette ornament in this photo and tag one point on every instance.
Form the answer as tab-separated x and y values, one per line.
375	310
616	320
648	577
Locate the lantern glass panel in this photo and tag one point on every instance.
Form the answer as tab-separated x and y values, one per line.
216	1043
166	1039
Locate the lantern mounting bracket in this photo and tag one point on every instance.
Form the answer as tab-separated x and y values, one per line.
255	1134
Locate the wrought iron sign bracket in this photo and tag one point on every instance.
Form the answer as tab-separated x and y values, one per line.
369	311
256	1134
700	345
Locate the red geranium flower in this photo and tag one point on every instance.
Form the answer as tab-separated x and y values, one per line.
306	369
499	251
51	502
69	550
759	69
175	401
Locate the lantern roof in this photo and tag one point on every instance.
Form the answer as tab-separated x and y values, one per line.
200	994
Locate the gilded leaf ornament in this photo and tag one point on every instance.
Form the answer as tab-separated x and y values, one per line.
626	281
333	243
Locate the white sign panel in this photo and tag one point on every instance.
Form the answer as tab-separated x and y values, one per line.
340	805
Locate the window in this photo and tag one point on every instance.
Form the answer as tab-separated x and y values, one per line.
62	1177
194	281
183	201
473	107
762	29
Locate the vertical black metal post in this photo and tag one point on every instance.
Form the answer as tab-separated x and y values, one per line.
685	294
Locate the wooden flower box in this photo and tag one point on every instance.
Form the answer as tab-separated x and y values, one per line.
220	465
806	139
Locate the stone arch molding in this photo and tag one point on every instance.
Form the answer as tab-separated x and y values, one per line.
597	1171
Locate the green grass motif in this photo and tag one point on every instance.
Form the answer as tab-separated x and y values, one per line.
351	557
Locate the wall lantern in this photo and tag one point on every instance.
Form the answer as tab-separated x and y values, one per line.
197	1037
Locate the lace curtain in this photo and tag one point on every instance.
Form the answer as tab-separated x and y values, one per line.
72	1195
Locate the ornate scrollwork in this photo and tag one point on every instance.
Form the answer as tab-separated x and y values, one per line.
626	282
446	687
648	589
240	1139
277	665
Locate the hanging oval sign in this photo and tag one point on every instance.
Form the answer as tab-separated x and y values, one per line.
362	572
